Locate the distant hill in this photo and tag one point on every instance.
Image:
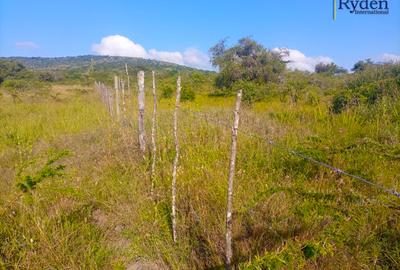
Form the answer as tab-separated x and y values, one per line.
98	62
86	69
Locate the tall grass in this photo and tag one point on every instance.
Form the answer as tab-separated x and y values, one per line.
288	213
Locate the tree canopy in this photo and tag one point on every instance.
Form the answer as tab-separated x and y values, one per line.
246	61
10	69
329	68
362	65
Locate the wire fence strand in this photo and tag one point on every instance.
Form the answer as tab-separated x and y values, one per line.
335	169
222	122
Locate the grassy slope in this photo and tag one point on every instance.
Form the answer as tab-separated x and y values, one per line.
289	213
52	63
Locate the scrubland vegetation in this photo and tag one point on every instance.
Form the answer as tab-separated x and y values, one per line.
75	190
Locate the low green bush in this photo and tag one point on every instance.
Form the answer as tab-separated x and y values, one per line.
187	94
167	91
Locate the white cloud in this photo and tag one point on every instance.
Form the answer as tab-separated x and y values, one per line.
117	45
390	58
173	57
299	61
26	44
195	58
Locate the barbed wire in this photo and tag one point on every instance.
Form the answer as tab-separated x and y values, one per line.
219	122
335	169
225	123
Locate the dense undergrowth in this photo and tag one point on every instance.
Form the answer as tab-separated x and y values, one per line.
95	212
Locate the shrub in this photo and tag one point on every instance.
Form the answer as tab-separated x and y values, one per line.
29	182
252	92
16	85
187	94
364	90
10	69
24	85
46	76
167	91
339	103
220	93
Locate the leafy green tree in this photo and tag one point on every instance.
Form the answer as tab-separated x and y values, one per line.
10	69
362	65
246	61
329	69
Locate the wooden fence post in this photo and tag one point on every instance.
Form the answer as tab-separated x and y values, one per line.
153	136
105	97
229	207
142	135
128	81
175	168
111	102
122	84
116	86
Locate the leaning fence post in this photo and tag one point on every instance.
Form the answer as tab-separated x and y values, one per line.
111	103
105	95
153	136
122	84
142	139
102	91
128	80
116	86
107	98
174	171
230	181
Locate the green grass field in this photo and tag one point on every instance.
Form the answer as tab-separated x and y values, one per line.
87	201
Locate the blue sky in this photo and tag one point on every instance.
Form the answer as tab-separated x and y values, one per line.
183	31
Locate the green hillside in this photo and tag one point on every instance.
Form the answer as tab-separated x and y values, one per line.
85	61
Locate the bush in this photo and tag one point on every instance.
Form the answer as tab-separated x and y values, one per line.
16	85
29	182
46	77
167	91
24	85
367	92
252	92
10	69
339	103
220	93
187	94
